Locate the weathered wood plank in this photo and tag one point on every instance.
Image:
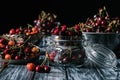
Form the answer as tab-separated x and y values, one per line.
91	74
56	73
16	72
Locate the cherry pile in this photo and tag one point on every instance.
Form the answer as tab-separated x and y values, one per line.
10	49
102	22
26	32
64	30
45	22
74	56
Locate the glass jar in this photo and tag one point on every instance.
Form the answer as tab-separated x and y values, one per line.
99	55
66	51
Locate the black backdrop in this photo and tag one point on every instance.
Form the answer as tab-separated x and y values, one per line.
20	13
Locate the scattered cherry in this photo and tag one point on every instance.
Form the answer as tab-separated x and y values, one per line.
46	68
30	66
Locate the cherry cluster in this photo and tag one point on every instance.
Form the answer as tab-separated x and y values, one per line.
45	22
42	68
38	68
12	50
64	30
26	32
67	56
102	22
29	30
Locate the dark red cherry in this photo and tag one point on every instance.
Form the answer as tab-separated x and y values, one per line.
64	28
38	68
46	68
2	40
17	57
17	31
77	28
12	31
27	50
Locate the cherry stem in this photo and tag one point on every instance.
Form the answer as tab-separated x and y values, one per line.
45	59
29	25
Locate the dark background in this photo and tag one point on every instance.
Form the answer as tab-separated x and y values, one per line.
70	12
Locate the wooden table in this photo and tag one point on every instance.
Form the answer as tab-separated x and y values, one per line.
19	72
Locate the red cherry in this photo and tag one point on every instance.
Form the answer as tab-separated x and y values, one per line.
20	43
18	30
2	45
99	19
52	55
70	33
46	68
87	30
25	30
65	60
103	23
107	18
6	47
38	68
51	58
56	31
17	57
77	28
30	66
27	50
12	31
108	29
64	28
2	40
6	51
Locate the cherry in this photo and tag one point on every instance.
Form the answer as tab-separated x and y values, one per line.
17	31
65	59
26	30
70	33
39	68
6	51
108	29
27	50
103	23
11	43
56	31
2	40
30	66
52	55
6	47
2	45
77	28
64	28
20	43
12	31
17	57
46	68
107	17
88	30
